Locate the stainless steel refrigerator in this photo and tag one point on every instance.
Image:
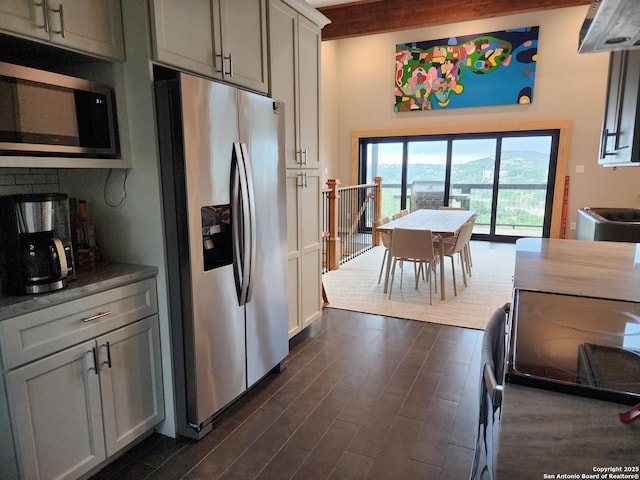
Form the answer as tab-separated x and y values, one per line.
223	174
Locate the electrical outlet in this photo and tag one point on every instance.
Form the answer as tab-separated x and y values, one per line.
572	226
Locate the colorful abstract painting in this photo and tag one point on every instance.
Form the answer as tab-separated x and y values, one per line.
495	68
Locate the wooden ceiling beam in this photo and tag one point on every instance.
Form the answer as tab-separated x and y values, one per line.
379	16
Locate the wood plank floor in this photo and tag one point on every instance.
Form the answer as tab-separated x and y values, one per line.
362	397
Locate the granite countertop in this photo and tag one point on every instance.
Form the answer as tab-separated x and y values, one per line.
103	277
549	434
555	433
579	267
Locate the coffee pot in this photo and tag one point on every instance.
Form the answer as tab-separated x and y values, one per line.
35	243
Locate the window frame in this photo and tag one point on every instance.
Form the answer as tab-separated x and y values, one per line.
556	229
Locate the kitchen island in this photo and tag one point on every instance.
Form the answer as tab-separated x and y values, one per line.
546	432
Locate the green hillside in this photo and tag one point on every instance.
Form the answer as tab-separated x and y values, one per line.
517	167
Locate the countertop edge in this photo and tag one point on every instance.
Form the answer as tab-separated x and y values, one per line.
103	277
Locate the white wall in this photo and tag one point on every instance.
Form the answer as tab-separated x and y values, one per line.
357	94
329	109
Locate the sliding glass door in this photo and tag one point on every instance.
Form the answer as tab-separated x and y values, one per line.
473	163
386	160
426	174
507	178
524	191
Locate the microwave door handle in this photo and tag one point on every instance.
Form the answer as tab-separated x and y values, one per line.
241	229
250	211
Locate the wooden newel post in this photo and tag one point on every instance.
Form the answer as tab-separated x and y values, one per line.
377	202
334	238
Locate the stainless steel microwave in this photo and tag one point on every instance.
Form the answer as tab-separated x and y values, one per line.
45	113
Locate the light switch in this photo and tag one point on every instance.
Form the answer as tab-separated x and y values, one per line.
579	168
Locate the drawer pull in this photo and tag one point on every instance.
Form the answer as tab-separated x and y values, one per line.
96	316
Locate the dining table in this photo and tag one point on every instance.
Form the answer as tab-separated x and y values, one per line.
442	223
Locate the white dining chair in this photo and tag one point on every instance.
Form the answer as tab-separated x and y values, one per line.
456	245
467	247
386	243
415	246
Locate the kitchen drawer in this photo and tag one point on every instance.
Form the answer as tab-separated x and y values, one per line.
34	335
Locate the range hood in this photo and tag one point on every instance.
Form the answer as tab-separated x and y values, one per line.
610	25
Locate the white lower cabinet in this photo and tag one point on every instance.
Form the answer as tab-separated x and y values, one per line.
72	409
304	194
130	382
57	414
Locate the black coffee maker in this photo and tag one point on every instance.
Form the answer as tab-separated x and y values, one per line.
35	245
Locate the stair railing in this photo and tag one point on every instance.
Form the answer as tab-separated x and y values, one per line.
349	221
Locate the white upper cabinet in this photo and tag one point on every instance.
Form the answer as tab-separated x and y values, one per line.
88	26
243	48
620	140
182	35
220	39
283	32
295	79
24	17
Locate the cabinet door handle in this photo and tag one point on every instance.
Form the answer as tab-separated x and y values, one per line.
45	16
304	157
107	345
300	180
228	57
94	353
618	146
60	12
225	72
603	143
304	177
96	316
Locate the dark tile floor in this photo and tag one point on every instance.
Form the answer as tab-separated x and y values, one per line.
362	397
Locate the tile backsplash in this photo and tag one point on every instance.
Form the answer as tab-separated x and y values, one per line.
28	180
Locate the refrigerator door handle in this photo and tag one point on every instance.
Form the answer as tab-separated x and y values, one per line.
240	224
250	210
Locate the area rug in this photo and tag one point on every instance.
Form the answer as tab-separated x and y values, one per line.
354	286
